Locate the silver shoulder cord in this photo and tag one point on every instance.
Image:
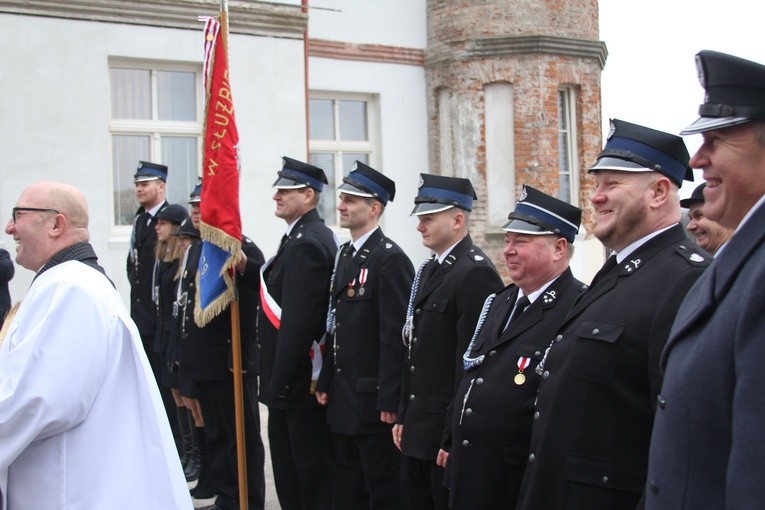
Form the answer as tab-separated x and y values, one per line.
467	361
332	312
408	329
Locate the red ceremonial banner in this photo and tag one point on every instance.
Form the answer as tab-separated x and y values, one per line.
221	228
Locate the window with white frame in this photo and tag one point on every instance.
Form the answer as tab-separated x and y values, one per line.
341	132
156	115
568	171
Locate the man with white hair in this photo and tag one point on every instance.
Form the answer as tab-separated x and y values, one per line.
81	420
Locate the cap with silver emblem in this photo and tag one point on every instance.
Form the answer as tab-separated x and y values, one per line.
734	91
634	148
537	213
147	171
365	181
296	174
438	193
196	195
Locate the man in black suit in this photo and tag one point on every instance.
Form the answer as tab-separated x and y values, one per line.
291	320
707	448
600	377
205	360
443	309
149	179
361	380
492	424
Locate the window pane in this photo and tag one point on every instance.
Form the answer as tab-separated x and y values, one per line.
563	111
353	120
350	157
564	148
179	153
131	93
177	95
322	118
327	202
127	151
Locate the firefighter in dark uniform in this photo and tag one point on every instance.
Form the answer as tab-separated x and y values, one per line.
492	424
149	179
361	380
445	302
600	377
291	322
205	360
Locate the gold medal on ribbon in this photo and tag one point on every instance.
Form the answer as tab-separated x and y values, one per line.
519	378
351	292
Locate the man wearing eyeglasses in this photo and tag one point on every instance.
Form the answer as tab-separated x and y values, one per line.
73	377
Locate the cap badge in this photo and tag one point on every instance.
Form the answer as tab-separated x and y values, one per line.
611	130
549	297
420	183
700	72
695	257
523	195
355	166
140	164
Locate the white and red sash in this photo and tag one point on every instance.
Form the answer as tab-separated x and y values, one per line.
274	314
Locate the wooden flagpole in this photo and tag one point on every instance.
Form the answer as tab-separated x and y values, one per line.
236	334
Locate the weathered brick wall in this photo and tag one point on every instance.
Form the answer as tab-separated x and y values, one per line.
471	44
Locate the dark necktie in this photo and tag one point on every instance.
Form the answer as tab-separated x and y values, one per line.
140	225
607	267
351	250
432	269
520	306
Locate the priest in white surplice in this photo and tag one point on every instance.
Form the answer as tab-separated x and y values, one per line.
81	421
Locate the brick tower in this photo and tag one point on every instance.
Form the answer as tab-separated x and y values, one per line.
514	98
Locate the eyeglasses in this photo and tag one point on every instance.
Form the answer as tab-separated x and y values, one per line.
30	209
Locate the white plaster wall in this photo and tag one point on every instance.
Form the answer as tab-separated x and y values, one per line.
54	115
389	22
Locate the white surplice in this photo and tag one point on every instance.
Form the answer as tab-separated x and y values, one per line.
82	425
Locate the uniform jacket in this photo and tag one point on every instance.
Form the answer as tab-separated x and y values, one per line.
491	423
139	271
362	373
446	310
166	323
298	280
589	444
205	353
707	449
